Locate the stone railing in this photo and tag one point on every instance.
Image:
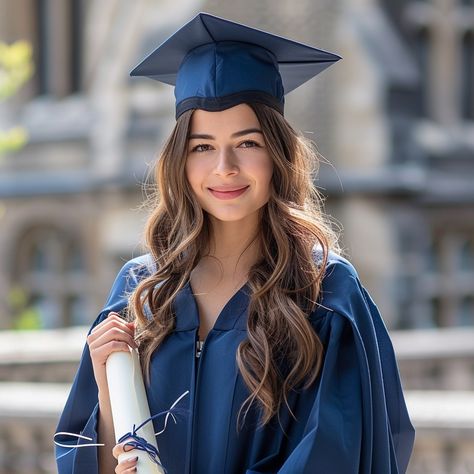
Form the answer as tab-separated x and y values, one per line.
36	370
28	418
434	359
41	356
444	422
437	369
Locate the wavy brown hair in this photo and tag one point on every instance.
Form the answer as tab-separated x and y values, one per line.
284	284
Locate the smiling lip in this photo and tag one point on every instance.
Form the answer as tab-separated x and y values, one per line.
220	193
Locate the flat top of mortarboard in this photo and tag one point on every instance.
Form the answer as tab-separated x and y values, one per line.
297	62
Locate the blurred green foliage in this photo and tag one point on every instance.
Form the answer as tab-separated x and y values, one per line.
16	67
25	316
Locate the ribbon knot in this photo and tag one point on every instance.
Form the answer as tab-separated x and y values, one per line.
138	442
135	441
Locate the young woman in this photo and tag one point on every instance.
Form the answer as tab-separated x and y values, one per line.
243	298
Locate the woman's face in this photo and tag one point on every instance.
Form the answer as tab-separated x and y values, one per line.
228	165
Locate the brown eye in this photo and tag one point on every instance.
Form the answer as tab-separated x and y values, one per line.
200	148
249	144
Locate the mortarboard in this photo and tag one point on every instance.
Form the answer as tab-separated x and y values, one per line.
216	63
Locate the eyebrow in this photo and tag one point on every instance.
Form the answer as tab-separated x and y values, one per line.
204	136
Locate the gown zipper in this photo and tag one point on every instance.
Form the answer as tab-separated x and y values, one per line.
199	346
197	362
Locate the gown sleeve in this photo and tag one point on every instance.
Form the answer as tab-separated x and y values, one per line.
80	414
358	422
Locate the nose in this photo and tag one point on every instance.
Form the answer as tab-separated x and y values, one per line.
226	162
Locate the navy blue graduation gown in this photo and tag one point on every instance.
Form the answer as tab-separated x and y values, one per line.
353	419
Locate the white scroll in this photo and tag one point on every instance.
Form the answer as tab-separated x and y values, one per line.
130	405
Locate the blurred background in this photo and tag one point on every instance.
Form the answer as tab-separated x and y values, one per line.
394	120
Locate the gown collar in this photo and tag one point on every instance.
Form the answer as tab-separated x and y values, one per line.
232	316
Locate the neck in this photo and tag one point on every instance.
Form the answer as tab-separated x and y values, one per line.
234	244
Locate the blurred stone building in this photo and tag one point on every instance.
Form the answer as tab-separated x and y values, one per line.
394	120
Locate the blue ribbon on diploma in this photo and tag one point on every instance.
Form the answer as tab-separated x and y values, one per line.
136	442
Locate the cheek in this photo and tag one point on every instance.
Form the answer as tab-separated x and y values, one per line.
196	176
191	174
265	173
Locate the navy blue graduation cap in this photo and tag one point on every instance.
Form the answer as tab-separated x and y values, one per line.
215	63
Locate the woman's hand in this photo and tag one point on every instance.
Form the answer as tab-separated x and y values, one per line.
111	335
127	465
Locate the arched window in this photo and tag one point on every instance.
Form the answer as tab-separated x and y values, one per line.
50	271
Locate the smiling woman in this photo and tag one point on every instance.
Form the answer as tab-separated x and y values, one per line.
243	298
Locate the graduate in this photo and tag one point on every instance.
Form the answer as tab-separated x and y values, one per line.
243	297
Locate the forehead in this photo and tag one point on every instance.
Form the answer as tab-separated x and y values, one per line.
238	117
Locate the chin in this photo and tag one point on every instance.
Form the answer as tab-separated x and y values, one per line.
229	216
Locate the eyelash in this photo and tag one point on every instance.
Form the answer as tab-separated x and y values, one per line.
254	143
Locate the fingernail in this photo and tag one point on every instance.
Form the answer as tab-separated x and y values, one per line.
135	458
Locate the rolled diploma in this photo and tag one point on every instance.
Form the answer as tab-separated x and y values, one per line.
129	405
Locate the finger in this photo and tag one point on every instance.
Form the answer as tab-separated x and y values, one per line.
112	319
118	450
129	462
121	469
110	343
101	354
128	471
112	331
113	334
